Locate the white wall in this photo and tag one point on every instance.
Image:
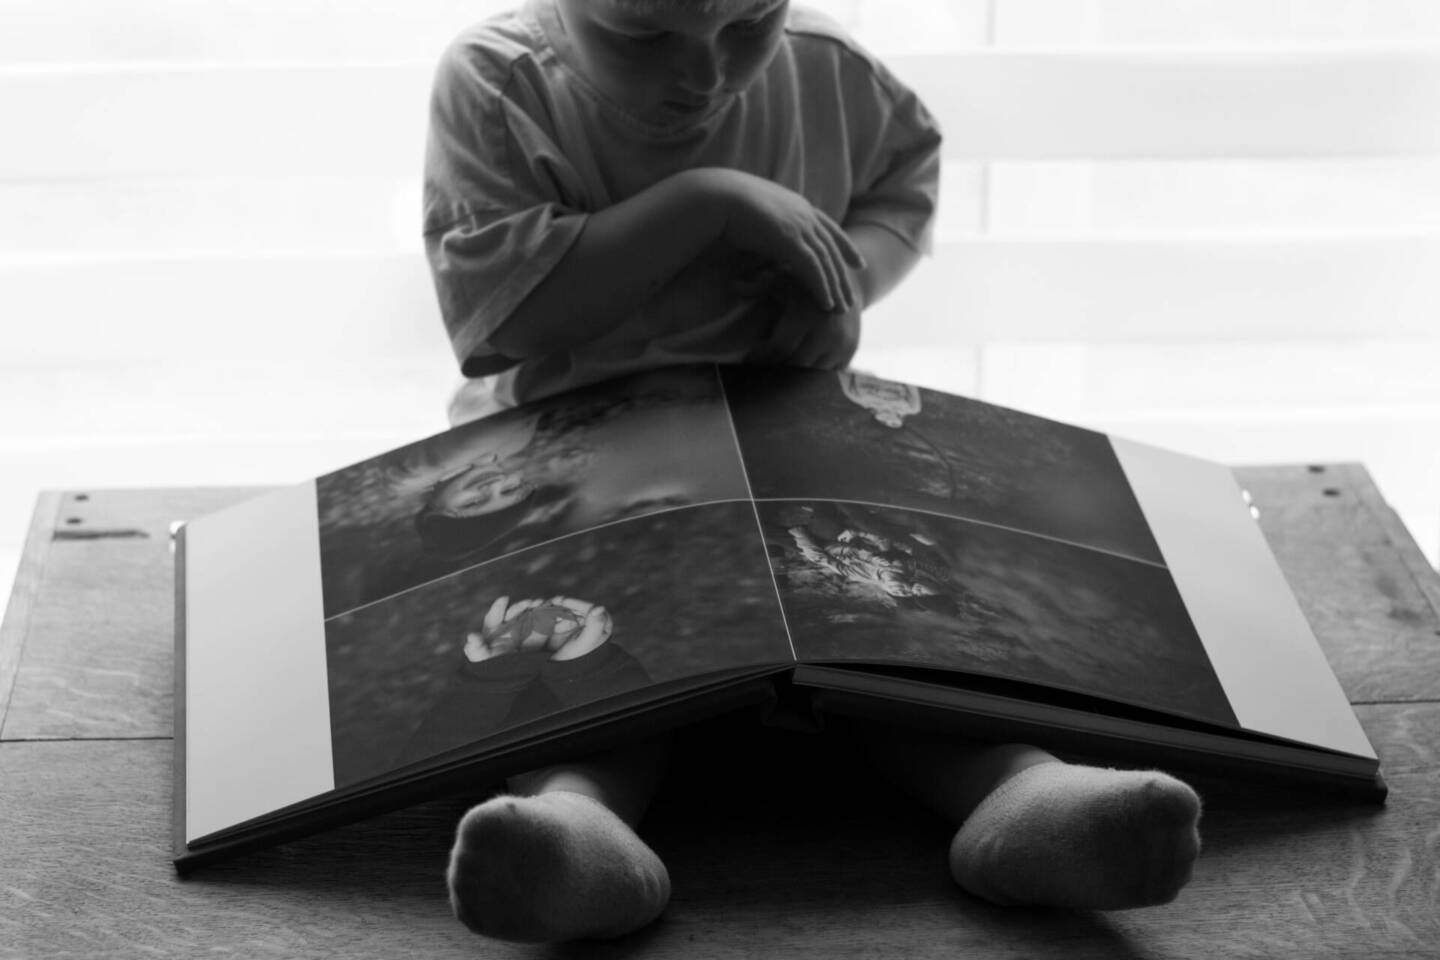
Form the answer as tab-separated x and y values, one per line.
210	267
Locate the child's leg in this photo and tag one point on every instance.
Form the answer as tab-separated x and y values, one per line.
558	858
1034	830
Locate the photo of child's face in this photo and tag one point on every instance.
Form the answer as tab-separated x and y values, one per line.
479	489
673	62
612	452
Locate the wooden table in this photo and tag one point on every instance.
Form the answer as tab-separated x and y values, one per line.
778	850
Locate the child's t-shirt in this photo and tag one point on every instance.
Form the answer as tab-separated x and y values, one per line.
522	147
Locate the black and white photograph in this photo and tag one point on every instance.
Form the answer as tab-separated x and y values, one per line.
885	585
848	435
411	411
672	596
521	477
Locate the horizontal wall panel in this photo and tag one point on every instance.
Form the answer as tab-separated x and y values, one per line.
965	193
47	410
209	214
240	31
198	120
1196	196
953	369
247	30
1182	103
1229	378
1159	288
364	119
240	309
218	311
213	214
1114	22
71	31
241	213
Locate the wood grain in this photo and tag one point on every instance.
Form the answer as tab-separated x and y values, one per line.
778	846
15	628
97	655
1358	575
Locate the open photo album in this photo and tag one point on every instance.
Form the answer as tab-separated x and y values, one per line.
621	560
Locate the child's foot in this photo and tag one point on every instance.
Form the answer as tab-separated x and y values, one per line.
556	866
1084	837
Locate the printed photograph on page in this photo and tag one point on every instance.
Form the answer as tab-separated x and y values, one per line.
851	436
903	587
525	476
672	596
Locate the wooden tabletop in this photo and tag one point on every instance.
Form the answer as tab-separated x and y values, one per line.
778	844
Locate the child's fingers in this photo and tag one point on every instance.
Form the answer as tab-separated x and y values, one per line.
810	270
837	277
835	261
477	648
830	342
598	625
796	315
848	250
579	607
518	608
848	254
829	266
496	614
596	631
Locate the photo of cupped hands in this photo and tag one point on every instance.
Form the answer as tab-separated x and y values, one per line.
565	627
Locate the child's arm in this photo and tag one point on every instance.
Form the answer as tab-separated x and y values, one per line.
811	337
889	218
627	252
888	259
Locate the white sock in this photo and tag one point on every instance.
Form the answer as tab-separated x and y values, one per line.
556	866
1062	835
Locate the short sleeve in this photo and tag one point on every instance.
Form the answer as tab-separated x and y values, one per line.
500	199
896	161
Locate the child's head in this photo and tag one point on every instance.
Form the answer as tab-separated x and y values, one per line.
468	510
481	487
673	61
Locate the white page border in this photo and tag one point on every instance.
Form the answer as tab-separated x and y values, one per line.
1259	642
257	704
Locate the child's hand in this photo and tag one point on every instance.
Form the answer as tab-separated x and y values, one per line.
563	626
806	336
595	628
782	226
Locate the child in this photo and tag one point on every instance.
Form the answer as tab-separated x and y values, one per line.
613	185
